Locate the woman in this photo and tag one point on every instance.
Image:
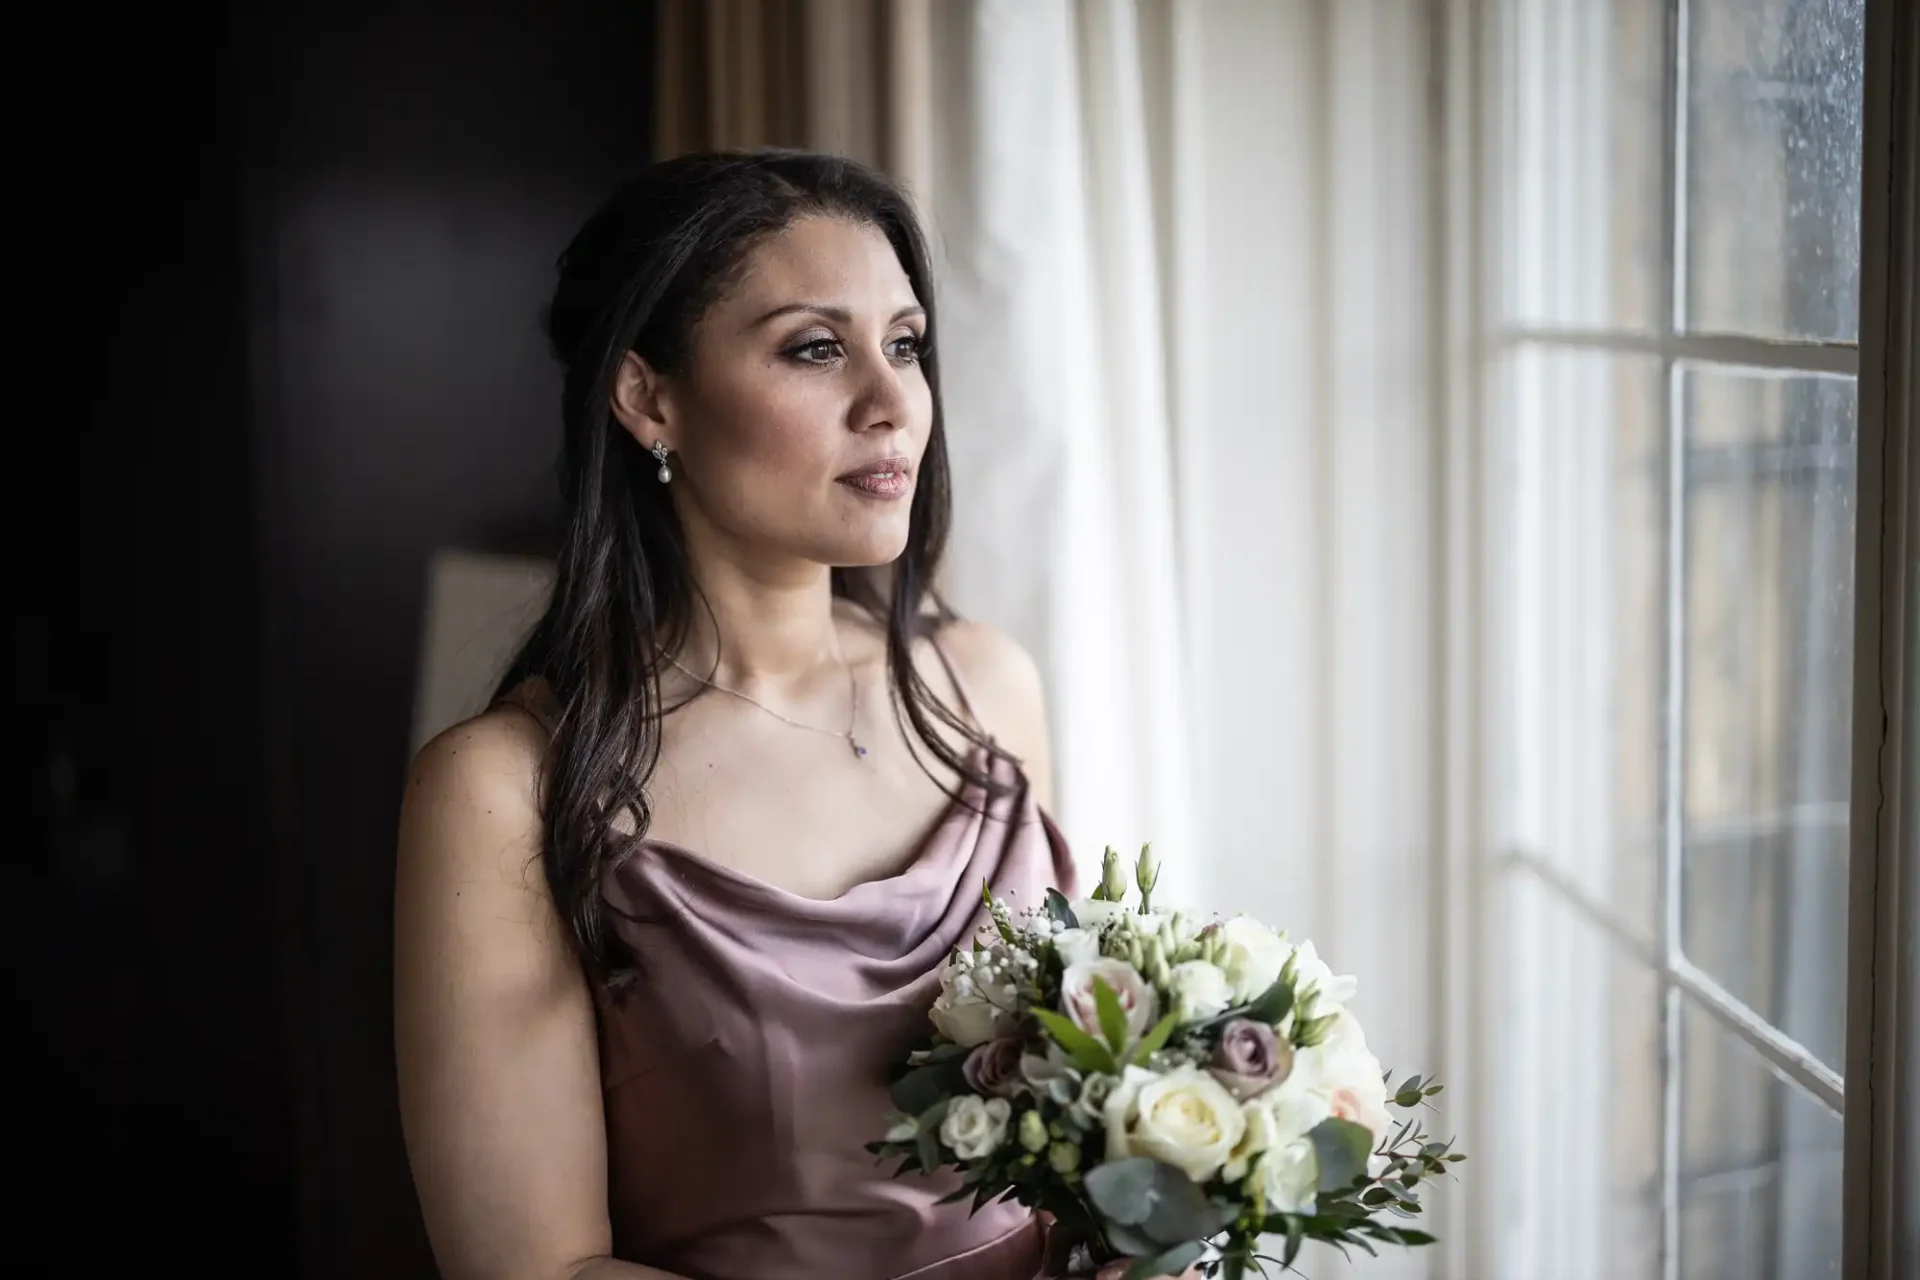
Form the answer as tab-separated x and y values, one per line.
670	909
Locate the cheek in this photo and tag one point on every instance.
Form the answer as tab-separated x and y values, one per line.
774	421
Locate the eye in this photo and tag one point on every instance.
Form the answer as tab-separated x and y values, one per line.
815	351
908	348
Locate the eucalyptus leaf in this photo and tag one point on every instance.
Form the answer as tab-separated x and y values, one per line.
1341	1147
1170	1263
1131	1241
1181	1211
1124	1190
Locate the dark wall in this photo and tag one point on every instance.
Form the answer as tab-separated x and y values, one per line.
143	908
413	171
287	269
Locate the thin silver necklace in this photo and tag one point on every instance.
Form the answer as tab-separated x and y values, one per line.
853	714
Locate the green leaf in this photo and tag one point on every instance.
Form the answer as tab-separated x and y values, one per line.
1295	1236
1233	1267
925	1085
1131	1241
1085	1052
1181	1211
927	1147
1113	1019
1124	1190
1058	909
1170	1263
1273	1004
1155	1039
1341	1147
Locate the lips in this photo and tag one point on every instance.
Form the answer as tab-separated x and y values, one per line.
887	478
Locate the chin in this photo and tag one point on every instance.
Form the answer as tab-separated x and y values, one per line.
877	548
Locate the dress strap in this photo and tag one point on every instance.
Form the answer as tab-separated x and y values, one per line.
959	685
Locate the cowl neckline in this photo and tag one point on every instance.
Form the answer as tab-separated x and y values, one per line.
928	873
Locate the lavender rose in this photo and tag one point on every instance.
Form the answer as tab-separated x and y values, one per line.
1250	1058
994	1068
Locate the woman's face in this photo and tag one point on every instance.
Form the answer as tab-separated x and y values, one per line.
801	418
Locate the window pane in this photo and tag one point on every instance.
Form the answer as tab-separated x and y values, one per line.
1759	1167
1584	159
1773	183
1769	645
1583	582
1577	1079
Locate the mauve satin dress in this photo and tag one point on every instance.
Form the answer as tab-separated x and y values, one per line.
748	1065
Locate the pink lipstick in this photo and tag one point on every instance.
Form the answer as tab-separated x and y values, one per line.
886	478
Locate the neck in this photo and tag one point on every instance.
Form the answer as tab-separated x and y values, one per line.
770	627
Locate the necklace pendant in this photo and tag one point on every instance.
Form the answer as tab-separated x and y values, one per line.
859	751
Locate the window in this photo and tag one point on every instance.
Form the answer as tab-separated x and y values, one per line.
1672	304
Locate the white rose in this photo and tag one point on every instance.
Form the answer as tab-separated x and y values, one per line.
977	1001
1183	1118
1345	1074
1254	957
1137	999
1076	946
1277	1150
974	1126
1290	1177
1312	973
1092	912
1199	990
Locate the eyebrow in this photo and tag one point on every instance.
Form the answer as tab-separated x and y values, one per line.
839	315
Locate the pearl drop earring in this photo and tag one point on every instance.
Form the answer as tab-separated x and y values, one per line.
659	452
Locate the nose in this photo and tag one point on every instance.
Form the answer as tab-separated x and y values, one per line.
881	402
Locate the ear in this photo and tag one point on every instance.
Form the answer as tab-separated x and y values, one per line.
640	403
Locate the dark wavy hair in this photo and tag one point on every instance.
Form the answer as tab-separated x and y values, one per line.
638	277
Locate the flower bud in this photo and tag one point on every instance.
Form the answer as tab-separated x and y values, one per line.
1064	1157
1113	881
1146	871
1033	1131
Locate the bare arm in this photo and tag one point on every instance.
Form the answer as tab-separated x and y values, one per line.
494	1028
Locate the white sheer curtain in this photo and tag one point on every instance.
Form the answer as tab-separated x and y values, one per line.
1188	263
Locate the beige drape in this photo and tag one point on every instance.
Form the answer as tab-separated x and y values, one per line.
847	76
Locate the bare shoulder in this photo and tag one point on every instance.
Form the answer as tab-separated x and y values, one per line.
472	799
1004	685
998	671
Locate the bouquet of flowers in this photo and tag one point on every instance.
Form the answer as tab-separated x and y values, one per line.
1170	1088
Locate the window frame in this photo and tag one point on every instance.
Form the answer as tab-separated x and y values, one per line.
1880	1114
1881	1197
